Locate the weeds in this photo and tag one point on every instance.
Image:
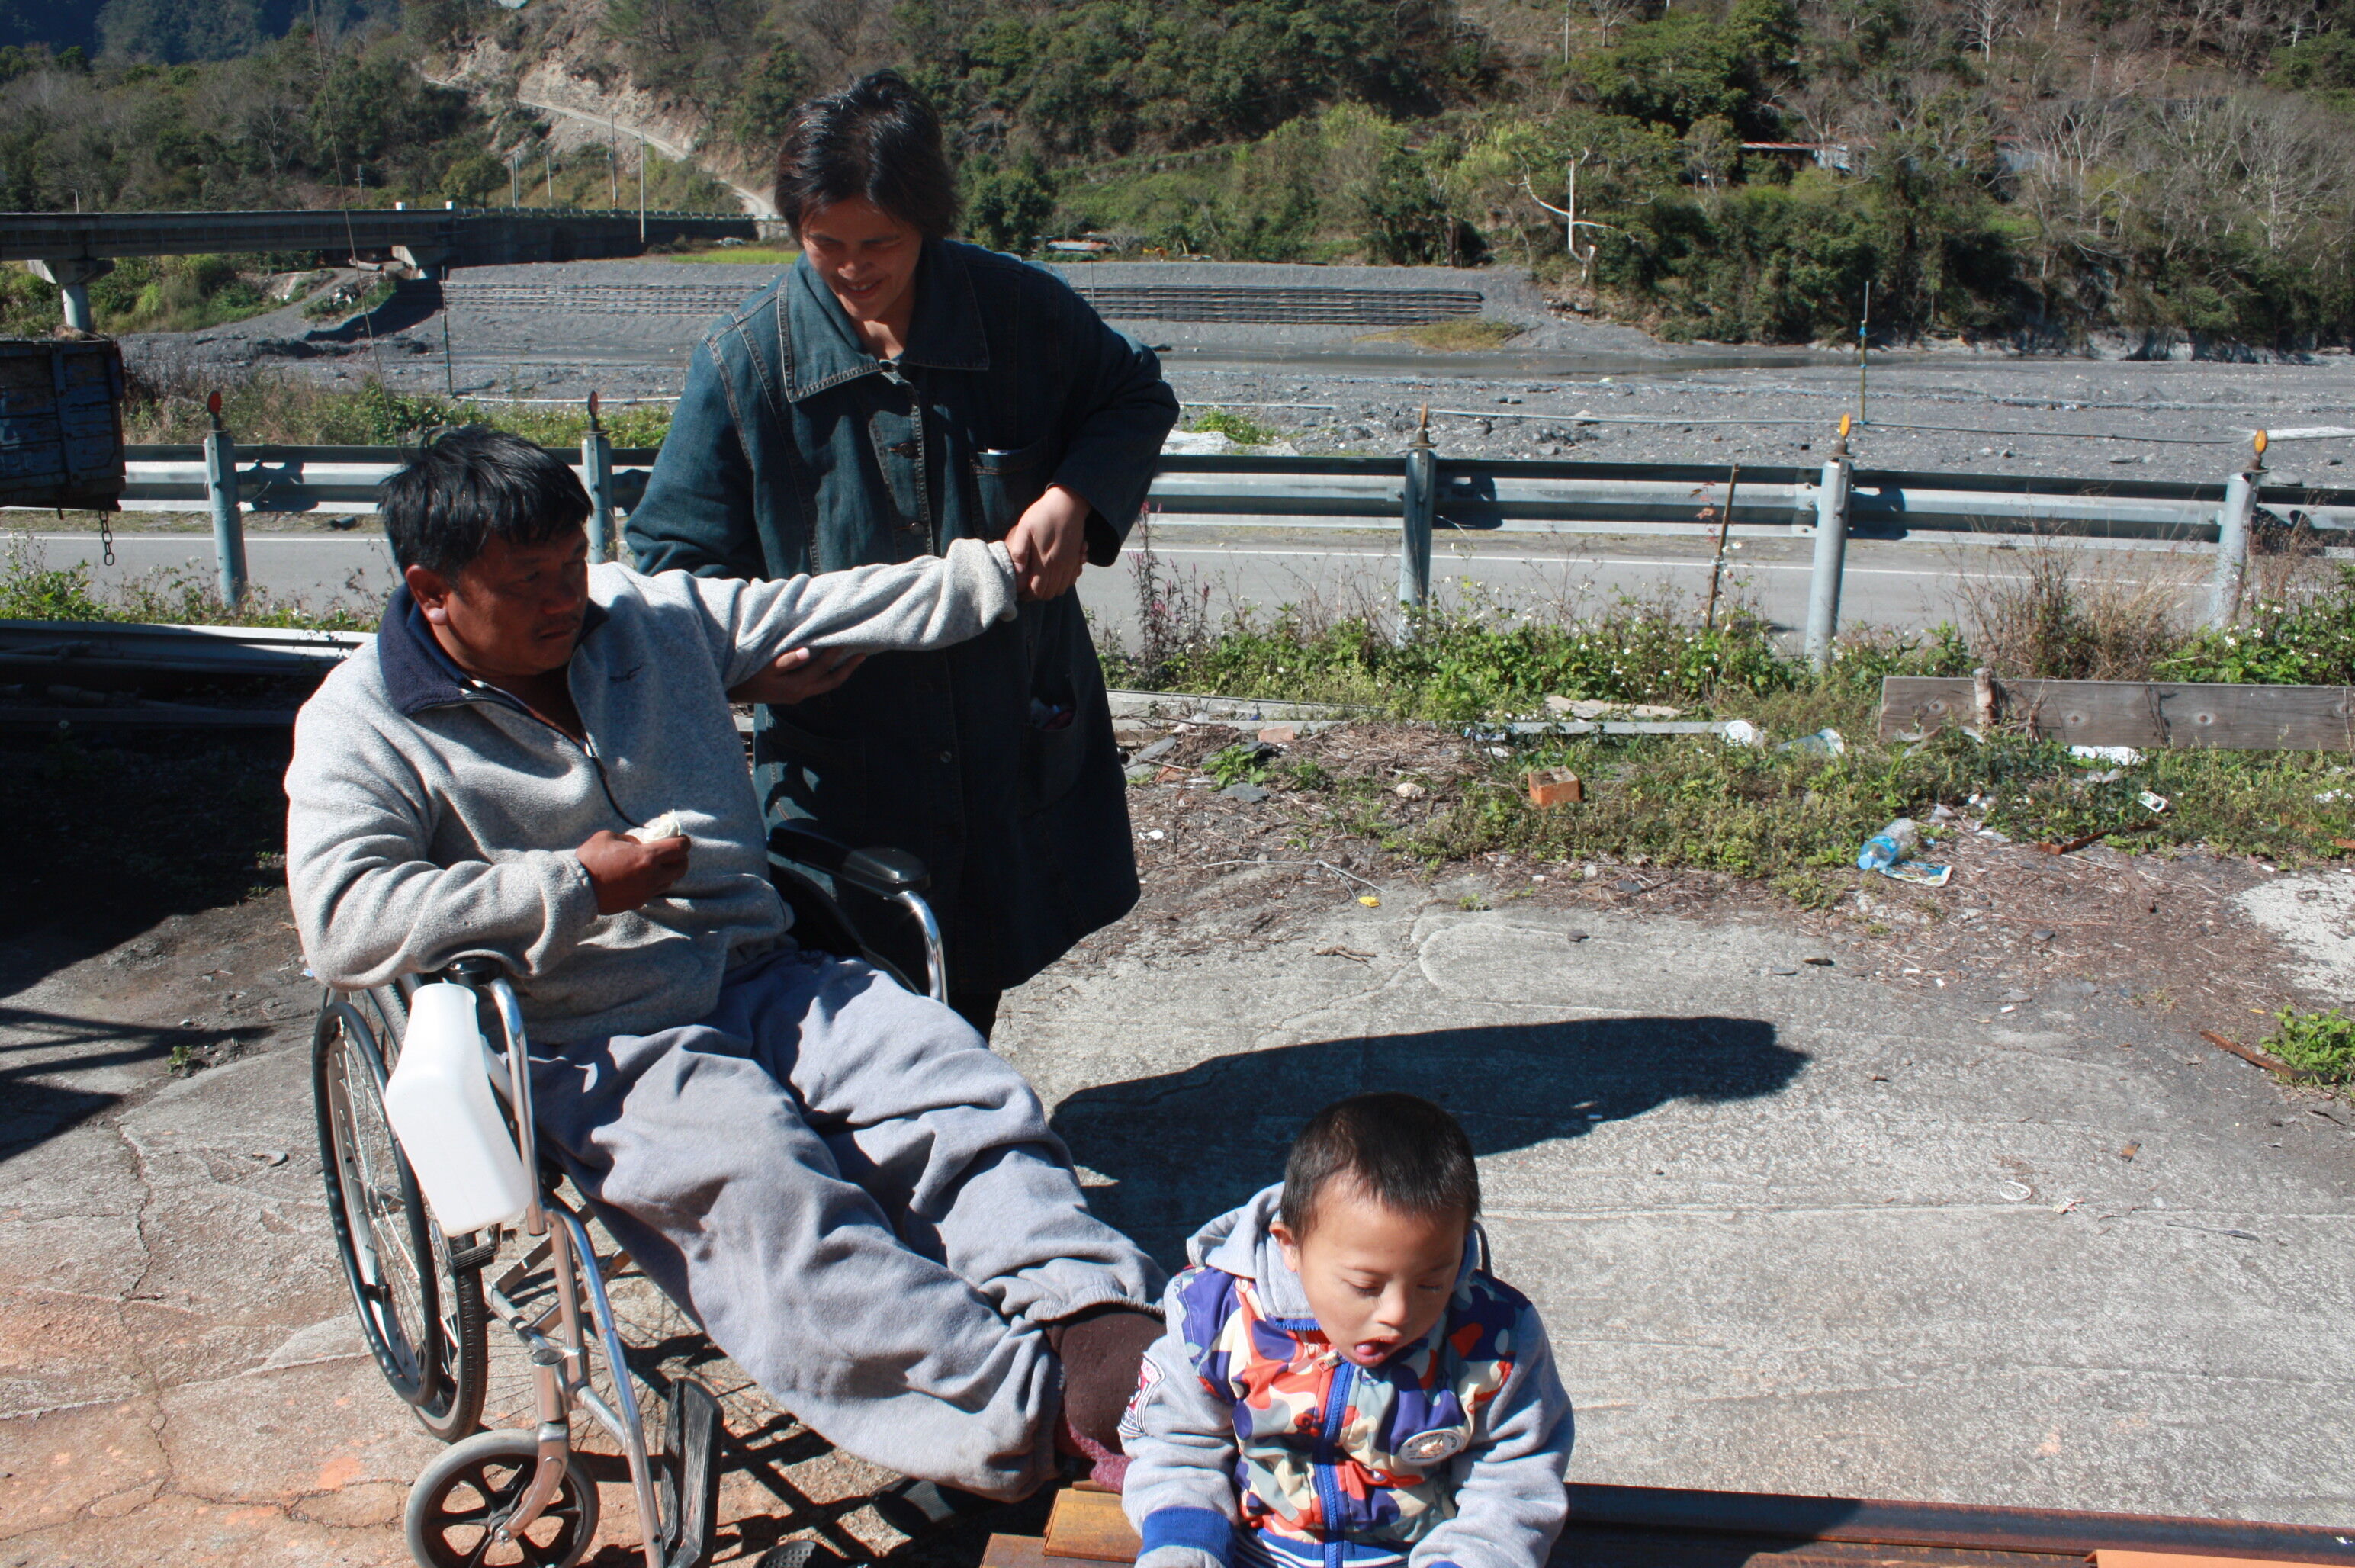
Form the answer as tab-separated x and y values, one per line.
165	404
2053	622
1241	429
1238	763
2321	1043
2307	642
1463	335
31	590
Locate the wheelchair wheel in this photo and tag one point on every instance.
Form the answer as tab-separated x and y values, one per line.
471	1487
423	1317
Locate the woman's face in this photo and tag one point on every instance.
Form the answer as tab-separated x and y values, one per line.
866	258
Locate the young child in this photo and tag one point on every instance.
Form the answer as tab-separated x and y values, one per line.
1342	1384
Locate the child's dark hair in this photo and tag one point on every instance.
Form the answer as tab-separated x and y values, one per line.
876	138
468	485
1404	1152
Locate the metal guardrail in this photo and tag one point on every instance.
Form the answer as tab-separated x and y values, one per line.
1420	492
1475	494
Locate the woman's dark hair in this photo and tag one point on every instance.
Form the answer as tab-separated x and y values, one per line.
469	484
876	138
1403	1152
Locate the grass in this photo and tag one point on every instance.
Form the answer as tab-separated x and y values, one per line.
291	411
31	590
2321	1043
1460	334
737	255
1241	429
1790	816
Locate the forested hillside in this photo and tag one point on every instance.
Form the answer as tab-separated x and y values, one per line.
1995	168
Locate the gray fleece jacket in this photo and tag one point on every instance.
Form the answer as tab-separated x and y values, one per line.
1252	1442
431	816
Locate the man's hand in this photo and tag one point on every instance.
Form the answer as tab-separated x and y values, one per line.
627	873
798	676
1049	543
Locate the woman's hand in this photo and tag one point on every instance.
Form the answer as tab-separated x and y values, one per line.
1049	543
798	676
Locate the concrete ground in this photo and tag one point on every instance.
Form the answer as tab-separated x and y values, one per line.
1967	1211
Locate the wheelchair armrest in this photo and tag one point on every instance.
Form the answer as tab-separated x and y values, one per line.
884	872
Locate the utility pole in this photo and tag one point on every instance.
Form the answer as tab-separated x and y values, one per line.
613	166
514	182
548	154
642	193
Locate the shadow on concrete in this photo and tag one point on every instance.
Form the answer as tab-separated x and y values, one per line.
35	1106
1184	1148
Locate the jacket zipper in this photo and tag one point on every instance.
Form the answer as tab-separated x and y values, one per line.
482	692
1329	1485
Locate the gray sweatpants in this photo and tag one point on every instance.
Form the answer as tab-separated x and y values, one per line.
862	1206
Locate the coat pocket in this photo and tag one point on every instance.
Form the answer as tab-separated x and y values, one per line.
1007	482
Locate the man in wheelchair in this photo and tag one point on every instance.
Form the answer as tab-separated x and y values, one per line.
861	1205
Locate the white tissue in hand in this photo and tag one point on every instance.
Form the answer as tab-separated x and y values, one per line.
666	826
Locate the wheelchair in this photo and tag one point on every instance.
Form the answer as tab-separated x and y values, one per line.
425	1306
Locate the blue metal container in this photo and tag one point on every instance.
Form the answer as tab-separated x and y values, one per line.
62	424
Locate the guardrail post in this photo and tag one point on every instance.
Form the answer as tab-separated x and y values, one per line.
2233	539
597	473
1422	496
1831	553
220	488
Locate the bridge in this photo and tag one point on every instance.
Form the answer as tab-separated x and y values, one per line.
71	248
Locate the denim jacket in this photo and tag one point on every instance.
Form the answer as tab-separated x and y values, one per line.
794	450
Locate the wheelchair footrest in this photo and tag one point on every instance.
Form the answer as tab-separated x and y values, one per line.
693	1447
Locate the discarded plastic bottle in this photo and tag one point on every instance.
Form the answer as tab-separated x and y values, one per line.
1889	845
440	1104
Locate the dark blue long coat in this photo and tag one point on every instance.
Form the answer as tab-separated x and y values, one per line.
794	450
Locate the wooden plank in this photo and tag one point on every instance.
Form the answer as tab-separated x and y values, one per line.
2133	712
2055	1532
2168	1560
1090	1526
1649	1527
1014	1551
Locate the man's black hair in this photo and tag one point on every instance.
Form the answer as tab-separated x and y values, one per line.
469	485
876	138
1405	1153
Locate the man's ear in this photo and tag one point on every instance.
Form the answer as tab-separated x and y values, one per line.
431	591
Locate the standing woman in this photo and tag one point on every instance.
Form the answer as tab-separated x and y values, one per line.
895	390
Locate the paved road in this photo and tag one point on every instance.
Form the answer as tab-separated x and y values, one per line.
1904	585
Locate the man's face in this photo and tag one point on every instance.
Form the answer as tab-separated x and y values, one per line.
1377	1279
512	613
866	258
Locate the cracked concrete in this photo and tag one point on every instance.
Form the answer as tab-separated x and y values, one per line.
1821	1231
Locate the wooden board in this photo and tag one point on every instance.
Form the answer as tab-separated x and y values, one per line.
2133	712
1090	1527
2168	1560
1653	1527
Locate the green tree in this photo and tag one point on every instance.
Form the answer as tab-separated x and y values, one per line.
770	94
470	179
1007	209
